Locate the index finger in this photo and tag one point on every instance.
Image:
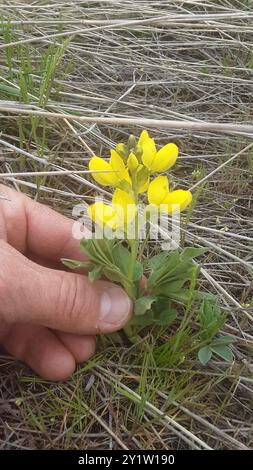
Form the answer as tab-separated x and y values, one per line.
37	228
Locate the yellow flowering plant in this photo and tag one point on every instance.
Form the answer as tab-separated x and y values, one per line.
160	283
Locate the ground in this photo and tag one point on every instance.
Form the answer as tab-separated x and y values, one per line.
187	61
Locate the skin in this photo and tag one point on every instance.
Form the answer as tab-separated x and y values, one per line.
49	318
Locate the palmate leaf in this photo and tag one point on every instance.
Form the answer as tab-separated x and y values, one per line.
183	271
157	261
183	296
112	256
211	318
170	271
173	270
98	250
207	315
100	253
122	258
161	267
170	288
111	260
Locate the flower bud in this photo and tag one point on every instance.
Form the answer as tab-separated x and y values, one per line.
131	142
132	163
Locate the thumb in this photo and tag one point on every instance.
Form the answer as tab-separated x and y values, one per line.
30	293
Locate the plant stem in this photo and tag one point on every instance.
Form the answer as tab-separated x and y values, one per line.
134	242
134	250
145	242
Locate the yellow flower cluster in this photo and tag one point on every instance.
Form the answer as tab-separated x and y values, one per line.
129	170
121	212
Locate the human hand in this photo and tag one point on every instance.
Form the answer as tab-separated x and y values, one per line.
49	317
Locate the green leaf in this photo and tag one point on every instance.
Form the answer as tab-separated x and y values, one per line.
162	266
211	319
112	273
143	304
161	304
166	317
204	355
143	320
158	261
171	288
184	295
95	273
138	271
114	260
99	251
122	259
226	339
207	314
74	264
170	271
223	351
192	252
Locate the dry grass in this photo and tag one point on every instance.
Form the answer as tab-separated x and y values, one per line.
123	62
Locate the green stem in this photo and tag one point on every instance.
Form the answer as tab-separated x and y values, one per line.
134	242
134	246
145	242
134	251
128	329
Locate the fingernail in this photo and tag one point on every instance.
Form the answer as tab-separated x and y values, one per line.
115	308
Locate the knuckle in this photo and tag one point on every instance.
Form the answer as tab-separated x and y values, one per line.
75	300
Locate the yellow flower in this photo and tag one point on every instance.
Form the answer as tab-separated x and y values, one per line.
118	215
156	161
103	214
168	202
112	172
144	136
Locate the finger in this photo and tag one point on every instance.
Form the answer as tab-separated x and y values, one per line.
81	347
59	300
30	226
41	350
